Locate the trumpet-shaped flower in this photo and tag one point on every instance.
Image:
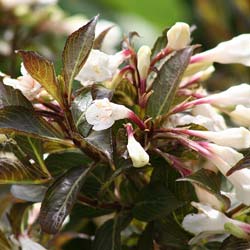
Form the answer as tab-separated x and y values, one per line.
143	61
232	137
136	152
236	50
178	36
100	66
102	114
224	158
241	115
235	95
210	220
25	83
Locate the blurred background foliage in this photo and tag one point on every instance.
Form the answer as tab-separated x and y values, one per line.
215	21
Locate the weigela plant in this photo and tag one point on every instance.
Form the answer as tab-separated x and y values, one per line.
133	137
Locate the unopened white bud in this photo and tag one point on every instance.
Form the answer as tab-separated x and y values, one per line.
178	36
136	152
143	61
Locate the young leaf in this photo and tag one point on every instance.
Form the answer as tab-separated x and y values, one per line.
108	236
76	51
13	171
21	120
155	201
167	82
60	198
160	43
42	70
99	40
12	97
78	108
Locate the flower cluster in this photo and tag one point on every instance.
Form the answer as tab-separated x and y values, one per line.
148	109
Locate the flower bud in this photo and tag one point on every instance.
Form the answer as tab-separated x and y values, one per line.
136	152
143	61
178	36
233	137
240	117
236	50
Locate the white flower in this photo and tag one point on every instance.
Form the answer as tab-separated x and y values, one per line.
232	137
25	83
102	113
236	50
235	95
180	119
100	67
143	61
209	220
224	158
206	110
241	115
9	4
178	36
136	152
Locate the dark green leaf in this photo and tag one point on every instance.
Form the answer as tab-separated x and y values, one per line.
13	171
60	198
160	43
169	233
233	243
167	81
210	181
146	239
60	162
23	121
108	236
78	108
76	51
42	70
99	40
12	97
243	163
102	140
4	242
155	201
